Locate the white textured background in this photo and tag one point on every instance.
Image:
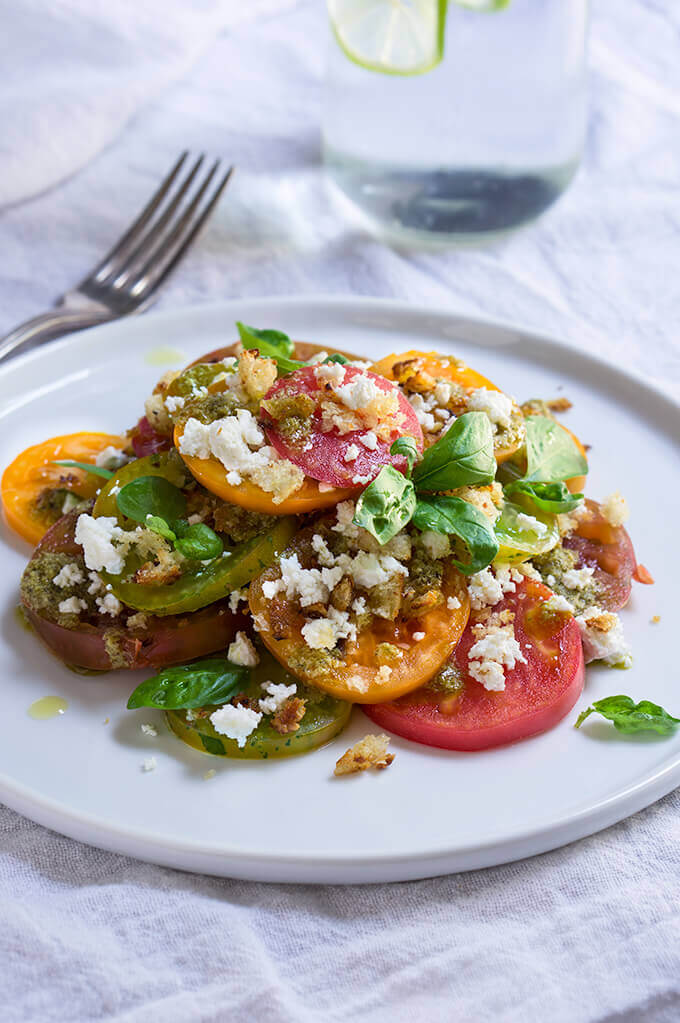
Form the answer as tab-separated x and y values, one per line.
95	101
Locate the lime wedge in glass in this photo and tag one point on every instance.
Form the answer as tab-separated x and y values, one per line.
396	37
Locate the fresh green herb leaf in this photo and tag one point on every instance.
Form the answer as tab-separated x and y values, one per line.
407	447
158	525
552	455
211	744
342	359
184	686
199	542
386	505
272	344
475	541
151	495
96	470
549	497
462	457
630	717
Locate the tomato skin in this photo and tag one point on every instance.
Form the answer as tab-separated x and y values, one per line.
536	696
322	456
163	641
609	550
146	441
34	470
355	677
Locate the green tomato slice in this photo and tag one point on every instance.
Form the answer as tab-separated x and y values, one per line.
200	584
518	541
324	718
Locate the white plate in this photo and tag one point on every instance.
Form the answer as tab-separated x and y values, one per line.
433	811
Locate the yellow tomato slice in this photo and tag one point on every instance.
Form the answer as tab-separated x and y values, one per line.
34	471
440	367
356	675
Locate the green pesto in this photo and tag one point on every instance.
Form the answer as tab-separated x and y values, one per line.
447	680
240	524
293	415
38	591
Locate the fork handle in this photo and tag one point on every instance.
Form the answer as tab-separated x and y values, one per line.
47	327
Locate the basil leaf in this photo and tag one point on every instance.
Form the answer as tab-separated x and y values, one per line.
552	455
96	470
630	717
158	525
407	447
199	542
211	744
337	358
183	686
272	344
151	495
386	505
462	457
475	538
549	497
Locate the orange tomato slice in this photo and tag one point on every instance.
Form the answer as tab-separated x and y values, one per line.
356	677
34	471
437	365
211	474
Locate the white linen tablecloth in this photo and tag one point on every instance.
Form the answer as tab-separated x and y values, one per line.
96	100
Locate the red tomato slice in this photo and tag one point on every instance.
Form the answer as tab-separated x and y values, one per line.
537	694
609	550
146	441
322	455
104	643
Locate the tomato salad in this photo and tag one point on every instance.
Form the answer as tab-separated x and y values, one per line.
288	531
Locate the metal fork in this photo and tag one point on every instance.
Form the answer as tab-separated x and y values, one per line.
128	279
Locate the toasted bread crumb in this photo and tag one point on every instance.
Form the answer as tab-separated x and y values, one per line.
655	619
371	751
289	715
559	405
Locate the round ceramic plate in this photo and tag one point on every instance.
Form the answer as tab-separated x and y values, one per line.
433	811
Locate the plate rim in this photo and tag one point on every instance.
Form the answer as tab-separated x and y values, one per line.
326	867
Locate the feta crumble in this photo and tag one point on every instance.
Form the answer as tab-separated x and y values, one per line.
235	722
558	603
72	605
437	545
237	597
577	578
68	575
498	406
149	764
453	604
242	651
495	650
352	453
277	696
418	636
369	440
109	455
109	605
96	537
484	589
324	633
603	639
149	730
531	524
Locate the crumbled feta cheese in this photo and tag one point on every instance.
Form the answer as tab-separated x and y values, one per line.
242	651
237	597
567	523
235	722
443	392
351	453
361	481
453	604
615	509
322	551
603	639
68	575
109	605
577	578
485	590
370	570
95	536
109	455
360	392
495	649
149	730
369	440
417	636
174	402
508	577
498	406
278	694
437	545
324	633
558	603
72	606
330	373
149	764
531	524
384	673
359	605
527	570
422	409
96	583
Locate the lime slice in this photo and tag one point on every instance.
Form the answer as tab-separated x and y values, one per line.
396	37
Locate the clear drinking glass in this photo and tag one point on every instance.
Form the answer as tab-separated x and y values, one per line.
480	144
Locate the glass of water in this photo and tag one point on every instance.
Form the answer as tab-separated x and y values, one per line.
452	123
